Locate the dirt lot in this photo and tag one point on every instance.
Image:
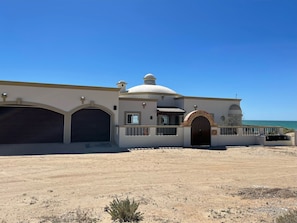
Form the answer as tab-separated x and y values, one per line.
240	184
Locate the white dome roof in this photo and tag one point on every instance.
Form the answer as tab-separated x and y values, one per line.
150	86
145	88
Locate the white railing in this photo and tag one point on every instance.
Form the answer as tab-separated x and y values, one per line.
271	130
137	131
228	131
173	135
250	131
146	130
166	130
152	135
172	130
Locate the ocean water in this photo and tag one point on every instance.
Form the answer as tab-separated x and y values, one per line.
285	124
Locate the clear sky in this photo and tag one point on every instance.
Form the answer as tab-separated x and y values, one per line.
209	48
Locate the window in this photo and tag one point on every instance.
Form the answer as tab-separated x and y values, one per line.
165	120
132	118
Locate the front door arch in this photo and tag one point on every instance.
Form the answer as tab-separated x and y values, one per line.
200	123
200	131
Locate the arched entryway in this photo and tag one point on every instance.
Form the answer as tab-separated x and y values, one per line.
200	131
90	125
30	125
200	123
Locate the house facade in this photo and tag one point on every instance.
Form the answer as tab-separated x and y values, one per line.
145	115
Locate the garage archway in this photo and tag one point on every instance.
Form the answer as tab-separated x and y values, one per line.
30	125
90	125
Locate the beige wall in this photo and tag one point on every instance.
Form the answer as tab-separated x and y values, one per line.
136	105
63	99
151	140
218	107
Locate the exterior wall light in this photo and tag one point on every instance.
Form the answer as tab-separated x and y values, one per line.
143	104
195	107
82	99
4	96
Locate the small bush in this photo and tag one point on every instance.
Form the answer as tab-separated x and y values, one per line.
289	217
124	210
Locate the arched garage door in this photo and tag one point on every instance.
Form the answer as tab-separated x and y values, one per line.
30	125
90	125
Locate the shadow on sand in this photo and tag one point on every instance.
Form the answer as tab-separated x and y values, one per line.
210	147
59	148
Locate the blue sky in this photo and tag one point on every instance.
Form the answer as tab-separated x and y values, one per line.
215	48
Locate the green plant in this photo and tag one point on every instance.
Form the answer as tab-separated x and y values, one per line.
124	210
289	217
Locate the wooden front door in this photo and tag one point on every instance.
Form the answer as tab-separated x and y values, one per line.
200	131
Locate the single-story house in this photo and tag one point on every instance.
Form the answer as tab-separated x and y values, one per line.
145	115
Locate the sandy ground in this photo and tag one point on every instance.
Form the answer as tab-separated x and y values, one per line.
240	184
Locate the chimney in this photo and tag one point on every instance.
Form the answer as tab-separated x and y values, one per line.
122	85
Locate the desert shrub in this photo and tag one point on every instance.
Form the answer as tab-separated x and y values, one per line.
289	217
77	216
124	210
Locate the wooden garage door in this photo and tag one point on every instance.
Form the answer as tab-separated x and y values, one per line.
90	125
30	125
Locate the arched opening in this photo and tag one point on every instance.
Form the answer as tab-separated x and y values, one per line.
200	131
24	124
90	125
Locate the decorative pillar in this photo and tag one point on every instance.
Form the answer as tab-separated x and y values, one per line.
67	128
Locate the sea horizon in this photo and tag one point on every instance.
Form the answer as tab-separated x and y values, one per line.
278	123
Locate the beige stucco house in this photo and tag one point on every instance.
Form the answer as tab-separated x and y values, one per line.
145	115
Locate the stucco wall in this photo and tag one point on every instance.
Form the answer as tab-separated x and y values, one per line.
65	99
148	112
262	141
151	140
218	107
233	140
